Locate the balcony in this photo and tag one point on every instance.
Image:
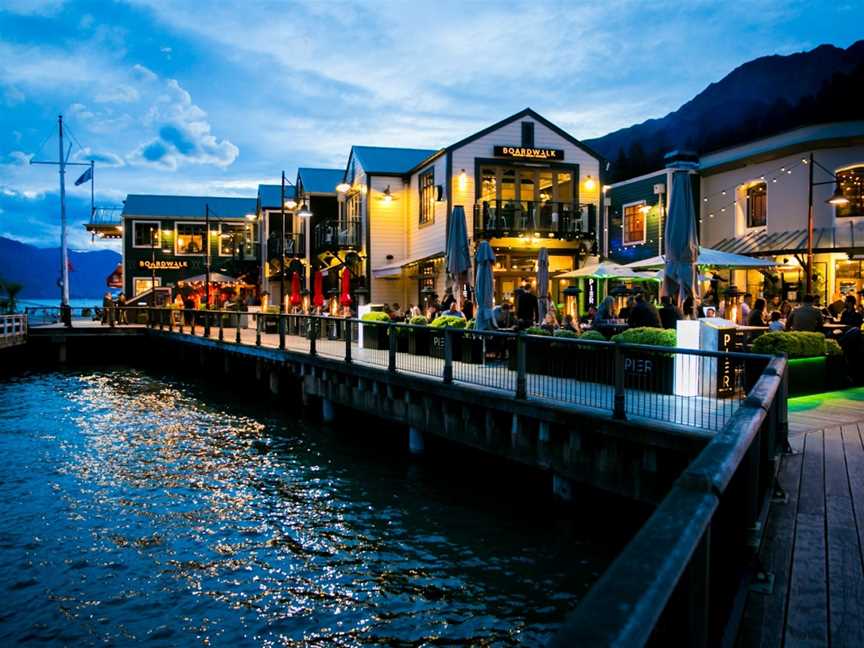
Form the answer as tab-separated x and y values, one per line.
340	234
292	246
560	220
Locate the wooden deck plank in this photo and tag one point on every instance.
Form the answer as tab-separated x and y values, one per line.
812	497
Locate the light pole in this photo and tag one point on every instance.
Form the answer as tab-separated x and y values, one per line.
291	204
153	230
837	198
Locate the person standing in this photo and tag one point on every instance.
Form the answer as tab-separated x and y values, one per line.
527	312
806	317
107	308
757	314
121	309
746	307
644	314
669	315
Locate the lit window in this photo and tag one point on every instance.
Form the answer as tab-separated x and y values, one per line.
757	205
851	183
190	238
427	196
145	234
634	223
235	239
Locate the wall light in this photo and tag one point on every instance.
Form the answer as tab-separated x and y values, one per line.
343	187
645	209
589	184
463	179
251	216
304	211
387	197
838	198
290	203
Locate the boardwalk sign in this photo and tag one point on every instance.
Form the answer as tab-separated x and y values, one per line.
163	265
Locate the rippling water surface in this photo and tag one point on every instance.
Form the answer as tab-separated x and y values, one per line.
135	507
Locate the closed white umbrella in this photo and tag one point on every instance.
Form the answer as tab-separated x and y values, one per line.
682	241
542	282
483	287
457	254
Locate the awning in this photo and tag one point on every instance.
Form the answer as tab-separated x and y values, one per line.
394	270
847	237
708	257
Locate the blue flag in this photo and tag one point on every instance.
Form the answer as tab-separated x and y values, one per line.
87	175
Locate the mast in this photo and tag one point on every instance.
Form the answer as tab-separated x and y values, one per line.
64	253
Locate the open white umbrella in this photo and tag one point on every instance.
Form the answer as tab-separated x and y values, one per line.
606	270
708	257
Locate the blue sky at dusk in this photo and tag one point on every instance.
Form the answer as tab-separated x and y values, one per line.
213	98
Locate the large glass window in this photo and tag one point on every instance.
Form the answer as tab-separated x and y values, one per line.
145	234
757	205
634	223
190	238
235	239
427	196
851	183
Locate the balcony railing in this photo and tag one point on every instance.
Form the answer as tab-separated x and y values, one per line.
338	234
293	245
504	218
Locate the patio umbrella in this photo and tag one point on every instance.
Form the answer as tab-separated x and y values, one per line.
709	257
457	253
682	242
483	287
215	277
295	298
606	270
318	297
542	282
345	297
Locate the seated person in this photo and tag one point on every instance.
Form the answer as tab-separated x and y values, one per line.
549	322
502	316
775	323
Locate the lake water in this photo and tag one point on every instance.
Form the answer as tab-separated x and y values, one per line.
136	507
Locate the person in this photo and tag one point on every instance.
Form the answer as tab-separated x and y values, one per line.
776	324
837	306
850	315
178	304
590	313
624	313
107	306
502	315
757	314
669	315
605	312
449	299
571	324
468	309
432	309
643	313
550	323
415	311
806	317
687	307
526	307
707	303
453	311
746	307
122	317
785	310
396	313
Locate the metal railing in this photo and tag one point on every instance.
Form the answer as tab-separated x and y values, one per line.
44	315
685	387
674	584
496	218
13	326
292	245
334	234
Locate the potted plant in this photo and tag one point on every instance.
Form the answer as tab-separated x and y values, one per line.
647	370
815	364
436	335
418	336
375	331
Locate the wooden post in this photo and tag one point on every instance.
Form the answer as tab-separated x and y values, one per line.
392	343
207	315
192	325
521	367
347	328
221	326
618	410
237	331
312	333
448	355
281	327
258	321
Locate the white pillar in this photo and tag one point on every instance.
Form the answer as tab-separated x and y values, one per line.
415	441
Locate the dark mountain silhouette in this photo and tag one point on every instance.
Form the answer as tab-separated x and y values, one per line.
38	270
760	98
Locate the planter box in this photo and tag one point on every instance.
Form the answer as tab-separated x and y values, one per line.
472	349
649	372
436	344
375	337
538	357
418	341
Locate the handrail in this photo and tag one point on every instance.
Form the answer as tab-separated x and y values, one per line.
623	608
13	325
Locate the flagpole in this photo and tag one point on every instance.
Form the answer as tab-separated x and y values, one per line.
64	254
92	196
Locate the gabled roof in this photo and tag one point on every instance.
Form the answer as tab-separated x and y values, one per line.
319	180
270	196
385	160
187	206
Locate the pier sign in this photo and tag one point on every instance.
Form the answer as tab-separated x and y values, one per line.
725	370
528	153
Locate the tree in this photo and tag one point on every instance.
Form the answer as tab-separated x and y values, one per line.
12	289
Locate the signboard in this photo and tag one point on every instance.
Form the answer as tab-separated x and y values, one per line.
528	153
725	368
163	265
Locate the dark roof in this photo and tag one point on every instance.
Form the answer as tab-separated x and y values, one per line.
825	239
383	160
319	180
270	196
187	206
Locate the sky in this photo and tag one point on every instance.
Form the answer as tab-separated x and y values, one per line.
188	97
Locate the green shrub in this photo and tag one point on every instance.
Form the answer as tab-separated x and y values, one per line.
419	320
536	330
832	348
593	335
470	325
647	335
452	321
795	344
565	333
375	316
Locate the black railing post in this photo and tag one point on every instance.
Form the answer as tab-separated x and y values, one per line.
448	355
162	319
237	331
312	328
192	323
258	320
521	367
348	340
182	320
171	320
392	345
207	321
698	586
221	317
619	404
281	327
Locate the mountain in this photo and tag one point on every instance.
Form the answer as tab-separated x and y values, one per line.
759	98
38	270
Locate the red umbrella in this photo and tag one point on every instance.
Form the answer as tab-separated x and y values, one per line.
296	299
345	297
318	298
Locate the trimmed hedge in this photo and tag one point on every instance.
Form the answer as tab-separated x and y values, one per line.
453	321
419	320
536	330
647	335
565	333
795	344
375	316
593	335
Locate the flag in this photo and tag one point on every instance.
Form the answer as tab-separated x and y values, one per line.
87	175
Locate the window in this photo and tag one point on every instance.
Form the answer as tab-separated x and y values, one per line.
190	238
426	281
235	239
145	234
757	205
633	222
427	196
851	183
528	134
143	284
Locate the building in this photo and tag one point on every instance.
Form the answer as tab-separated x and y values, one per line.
753	199
165	239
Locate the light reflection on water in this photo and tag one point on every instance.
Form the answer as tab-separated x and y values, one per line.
136	507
